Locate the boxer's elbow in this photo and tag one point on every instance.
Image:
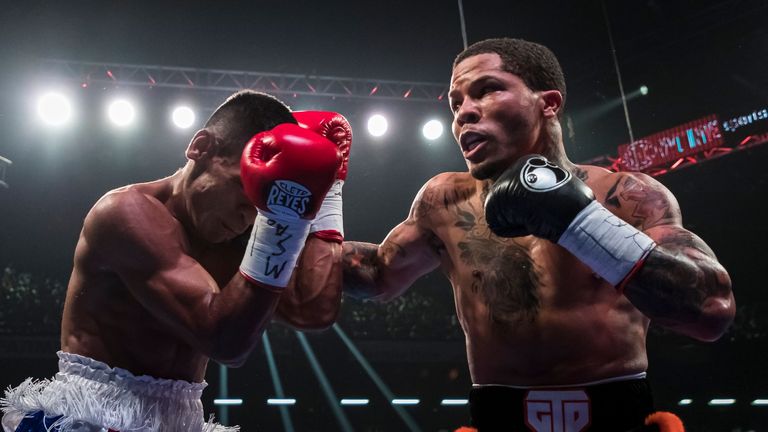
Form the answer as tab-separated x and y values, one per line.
231	353
318	319
310	313
231	362
717	315
711	321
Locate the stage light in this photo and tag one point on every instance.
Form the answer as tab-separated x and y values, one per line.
405	401
325	384
685	402
227	401
377	125
454	402
643	90
183	117
722	402
121	112
354	401
54	109
382	386
432	130
281	401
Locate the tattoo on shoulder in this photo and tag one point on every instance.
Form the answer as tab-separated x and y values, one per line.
649	205
439	197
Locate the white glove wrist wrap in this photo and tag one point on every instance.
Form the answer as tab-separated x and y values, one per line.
605	243
330	216
273	249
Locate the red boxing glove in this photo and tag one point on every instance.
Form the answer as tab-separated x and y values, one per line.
329	223
286	172
332	126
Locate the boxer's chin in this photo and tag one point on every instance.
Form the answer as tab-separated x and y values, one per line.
485	171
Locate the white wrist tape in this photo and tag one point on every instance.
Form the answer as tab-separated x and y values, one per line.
330	216
273	249
605	243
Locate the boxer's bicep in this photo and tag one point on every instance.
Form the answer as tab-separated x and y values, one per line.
313	296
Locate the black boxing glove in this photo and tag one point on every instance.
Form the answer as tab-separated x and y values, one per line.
537	197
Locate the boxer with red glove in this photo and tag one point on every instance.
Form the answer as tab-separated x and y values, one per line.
286	173
329	223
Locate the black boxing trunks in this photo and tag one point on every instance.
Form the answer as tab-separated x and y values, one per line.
613	405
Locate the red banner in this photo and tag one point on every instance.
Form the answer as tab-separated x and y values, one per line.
670	145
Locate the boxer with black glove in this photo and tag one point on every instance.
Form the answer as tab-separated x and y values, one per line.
534	248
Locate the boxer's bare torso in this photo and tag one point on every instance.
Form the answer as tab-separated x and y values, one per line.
532	313
149	296
105	321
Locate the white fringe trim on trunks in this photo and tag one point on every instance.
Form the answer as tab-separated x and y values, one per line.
86	390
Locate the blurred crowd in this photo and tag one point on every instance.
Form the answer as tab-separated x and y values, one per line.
31	305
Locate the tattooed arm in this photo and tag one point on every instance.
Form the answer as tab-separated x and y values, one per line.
383	272
681	285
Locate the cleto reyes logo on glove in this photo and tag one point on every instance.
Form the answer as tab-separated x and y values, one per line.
288	198
541	175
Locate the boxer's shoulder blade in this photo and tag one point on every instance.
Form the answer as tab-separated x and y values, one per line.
127	225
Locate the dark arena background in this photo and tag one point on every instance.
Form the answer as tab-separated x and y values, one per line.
693	74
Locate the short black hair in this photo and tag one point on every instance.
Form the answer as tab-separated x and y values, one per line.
243	115
534	63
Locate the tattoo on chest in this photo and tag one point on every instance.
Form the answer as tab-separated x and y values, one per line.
502	271
581	174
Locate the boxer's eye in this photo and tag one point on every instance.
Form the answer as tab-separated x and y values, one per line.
488	89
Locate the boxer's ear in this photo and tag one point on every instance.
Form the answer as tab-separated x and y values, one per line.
201	146
551	102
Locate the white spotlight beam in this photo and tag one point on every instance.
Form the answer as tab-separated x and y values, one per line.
355	401
450	402
121	112
54	109
377	125
281	401
405	401
183	117
227	401
432	130
723	401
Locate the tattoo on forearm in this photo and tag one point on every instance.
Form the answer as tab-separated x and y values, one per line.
360	269
677	277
